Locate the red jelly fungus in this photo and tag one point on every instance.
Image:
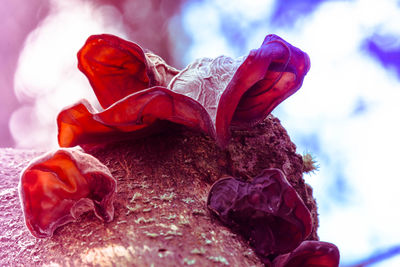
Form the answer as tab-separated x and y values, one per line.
267	211
59	186
310	253
117	68
127	82
137	115
268	76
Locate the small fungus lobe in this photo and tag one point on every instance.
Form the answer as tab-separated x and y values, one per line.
138	114
57	187
117	68
267	211
310	253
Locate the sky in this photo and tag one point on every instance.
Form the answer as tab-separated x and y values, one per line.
345	114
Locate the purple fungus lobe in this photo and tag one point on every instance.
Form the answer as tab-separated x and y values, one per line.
267	211
310	253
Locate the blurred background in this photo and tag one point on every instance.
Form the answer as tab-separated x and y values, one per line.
346	114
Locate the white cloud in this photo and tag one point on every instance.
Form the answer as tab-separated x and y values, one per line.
361	147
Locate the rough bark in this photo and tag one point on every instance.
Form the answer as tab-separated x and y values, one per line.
160	214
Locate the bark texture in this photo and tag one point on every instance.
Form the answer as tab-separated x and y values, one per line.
161	217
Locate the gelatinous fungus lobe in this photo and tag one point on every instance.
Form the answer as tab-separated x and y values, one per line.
241	92
131	85
268	76
59	186
137	115
267	211
310	253
117	68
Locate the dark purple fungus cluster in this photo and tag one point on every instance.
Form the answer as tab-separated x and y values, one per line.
267	211
270	214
